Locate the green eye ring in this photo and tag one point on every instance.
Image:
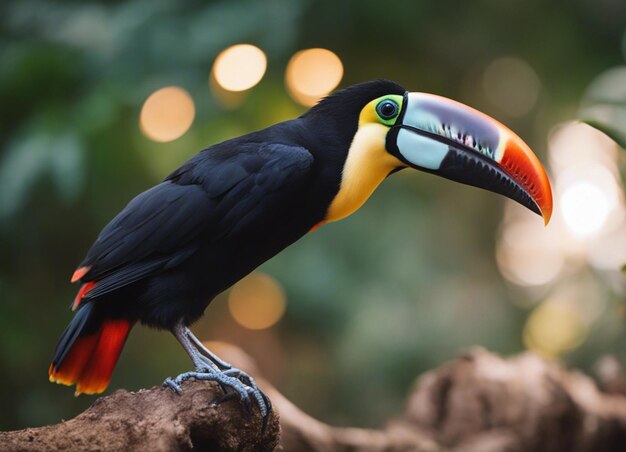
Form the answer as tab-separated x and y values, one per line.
388	109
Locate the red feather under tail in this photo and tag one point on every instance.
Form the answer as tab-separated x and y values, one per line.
81	293
92	358
79	273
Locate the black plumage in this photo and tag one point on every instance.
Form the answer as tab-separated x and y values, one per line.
176	246
224	212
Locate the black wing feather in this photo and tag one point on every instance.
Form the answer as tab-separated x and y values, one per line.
156	222
219	190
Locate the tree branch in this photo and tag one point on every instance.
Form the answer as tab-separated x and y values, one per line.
478	402
156	419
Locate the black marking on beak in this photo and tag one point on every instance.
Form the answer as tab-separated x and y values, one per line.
467	166
474	169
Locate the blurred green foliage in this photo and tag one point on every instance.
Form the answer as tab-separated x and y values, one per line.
394	290
604	104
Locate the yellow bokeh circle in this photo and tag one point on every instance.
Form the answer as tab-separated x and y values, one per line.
167	114
554	328
239	67
312	74
257	301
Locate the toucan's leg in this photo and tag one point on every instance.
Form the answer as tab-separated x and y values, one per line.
205	351
209	370
219	362
200	362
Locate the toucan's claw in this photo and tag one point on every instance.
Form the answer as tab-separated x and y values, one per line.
230	379
241	375
169	383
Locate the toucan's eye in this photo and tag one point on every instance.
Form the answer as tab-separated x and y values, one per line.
387	109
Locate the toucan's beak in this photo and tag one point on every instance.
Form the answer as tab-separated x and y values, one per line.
452	140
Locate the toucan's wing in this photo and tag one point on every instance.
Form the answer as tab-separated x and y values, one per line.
218	192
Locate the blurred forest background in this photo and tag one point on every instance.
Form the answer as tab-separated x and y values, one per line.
346	318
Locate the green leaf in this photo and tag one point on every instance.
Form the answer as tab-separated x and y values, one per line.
619	136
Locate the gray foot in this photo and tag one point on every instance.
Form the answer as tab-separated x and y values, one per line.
231	379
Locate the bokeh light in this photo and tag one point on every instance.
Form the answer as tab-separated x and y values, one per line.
588	206
574	144
167	114
257	301
230	100
587	189
608	252
528	254
588	229
553	328
585	208
511	85
312	74
239	67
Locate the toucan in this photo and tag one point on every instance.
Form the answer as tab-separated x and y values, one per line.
236	204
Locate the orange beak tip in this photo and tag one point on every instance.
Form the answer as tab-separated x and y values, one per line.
547	208
546	220
525	168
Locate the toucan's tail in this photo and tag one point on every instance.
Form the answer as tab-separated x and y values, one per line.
88	351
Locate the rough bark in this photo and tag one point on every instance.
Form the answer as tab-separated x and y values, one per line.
479	402
156	419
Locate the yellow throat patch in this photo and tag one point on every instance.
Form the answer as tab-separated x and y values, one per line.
367	164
